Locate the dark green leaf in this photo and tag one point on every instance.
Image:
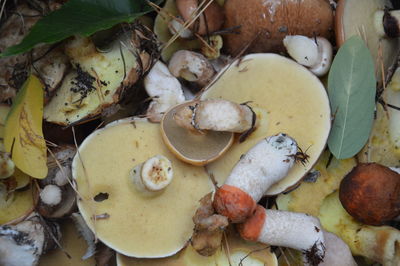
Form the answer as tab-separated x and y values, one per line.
351	89
80	17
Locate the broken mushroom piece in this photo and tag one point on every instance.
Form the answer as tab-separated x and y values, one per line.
165	90
387	23
216	115
316	53
263	165
371	193
153	175
287	229
378	243
24	243
210	20
191	66
192	147
286	97
109	202
98	79
351	18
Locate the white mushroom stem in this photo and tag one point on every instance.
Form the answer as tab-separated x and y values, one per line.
153	175
86	233
287	229
175	26
191	66
387	23
165	90
337	252
263	165
51	195
7	166
314	53
216	115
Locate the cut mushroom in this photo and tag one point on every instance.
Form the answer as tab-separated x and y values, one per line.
216	115
191	66
286	97
235	251
98	80
153	175
165	90
313	53
354	19
162	224
378	243
193	148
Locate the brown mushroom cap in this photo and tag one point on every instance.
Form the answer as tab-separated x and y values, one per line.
272	20
371	193
130	223
286	97
193	148
353	18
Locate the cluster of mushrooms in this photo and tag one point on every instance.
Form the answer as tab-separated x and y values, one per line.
197	136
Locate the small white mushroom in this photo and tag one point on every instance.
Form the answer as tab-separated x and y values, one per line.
165	90
263	165
191	66
153	175
51	195
176	26
316	54
7	166
286	229
216	115
387	23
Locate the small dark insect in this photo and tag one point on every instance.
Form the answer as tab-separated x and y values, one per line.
301	156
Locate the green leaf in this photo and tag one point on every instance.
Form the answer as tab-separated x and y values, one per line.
80	17
351	89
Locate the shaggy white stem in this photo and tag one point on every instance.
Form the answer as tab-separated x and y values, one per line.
153	175
165	90
51	195
263	165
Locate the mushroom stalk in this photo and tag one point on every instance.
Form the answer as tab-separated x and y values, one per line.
216	115
316	54
287	229
153	175
175	26
263	165
387	23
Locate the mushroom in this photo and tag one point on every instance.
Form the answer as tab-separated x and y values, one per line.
378	243
263	165
235	251
264	24
190	146
4	109
354	19
286	97
121	216
176	27
371	193
191	66
313	53
98	79
387	23
165	90
288	229
210	20
24	243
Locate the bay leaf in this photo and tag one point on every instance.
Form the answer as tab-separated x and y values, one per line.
23	135
351	90
80	17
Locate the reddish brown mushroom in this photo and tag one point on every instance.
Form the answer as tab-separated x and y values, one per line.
371	193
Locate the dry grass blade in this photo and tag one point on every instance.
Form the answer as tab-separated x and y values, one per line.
226	248
2	8
284	255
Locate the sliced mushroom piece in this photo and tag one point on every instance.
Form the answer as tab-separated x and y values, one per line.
193	148
286	98
235	251
354	19
98	80
128	222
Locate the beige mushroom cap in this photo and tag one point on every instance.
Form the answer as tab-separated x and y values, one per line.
146	227
286	98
